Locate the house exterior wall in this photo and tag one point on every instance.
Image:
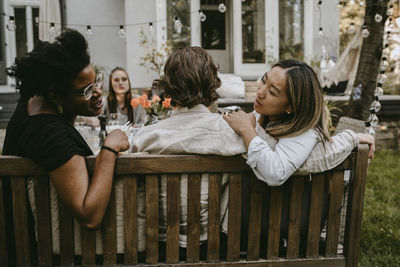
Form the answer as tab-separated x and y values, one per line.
106	48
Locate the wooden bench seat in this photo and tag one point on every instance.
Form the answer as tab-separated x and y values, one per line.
262	247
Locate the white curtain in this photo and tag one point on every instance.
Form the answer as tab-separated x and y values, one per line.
49	13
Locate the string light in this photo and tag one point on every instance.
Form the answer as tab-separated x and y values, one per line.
373	119
202	16
151	28
389	12
352	2
320	32
382	77
52	30
89	32
339	5
365	32
121	32
375	104
369	129
222	7
11	24
178	25
36	20
378	90
384	64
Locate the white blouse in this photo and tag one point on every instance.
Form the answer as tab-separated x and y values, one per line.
275	165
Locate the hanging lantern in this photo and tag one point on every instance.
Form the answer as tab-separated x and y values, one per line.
121	32
222	8
321	33
89	32
378	17
365	32
11	24
351	28
202	16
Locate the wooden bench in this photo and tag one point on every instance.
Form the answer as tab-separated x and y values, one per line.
16	236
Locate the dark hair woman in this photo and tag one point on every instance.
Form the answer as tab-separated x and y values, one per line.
57	83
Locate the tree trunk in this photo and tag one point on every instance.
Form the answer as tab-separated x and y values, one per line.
370	57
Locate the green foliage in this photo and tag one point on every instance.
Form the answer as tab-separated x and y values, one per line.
380	232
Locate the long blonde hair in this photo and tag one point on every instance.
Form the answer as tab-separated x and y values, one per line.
305	96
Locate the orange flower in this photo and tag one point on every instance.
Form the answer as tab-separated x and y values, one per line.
155	99
166	103
135	102
143	99
146	104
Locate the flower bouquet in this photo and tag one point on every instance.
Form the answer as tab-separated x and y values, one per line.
155	108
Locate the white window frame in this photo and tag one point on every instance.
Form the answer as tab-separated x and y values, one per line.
9	36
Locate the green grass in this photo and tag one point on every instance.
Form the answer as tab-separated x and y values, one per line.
380	232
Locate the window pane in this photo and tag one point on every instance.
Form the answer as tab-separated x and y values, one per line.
253	31
2	55
35	14
178	37
20	31
291	29
213	30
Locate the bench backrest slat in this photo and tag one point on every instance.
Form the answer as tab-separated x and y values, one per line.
257	189
4	250
193	218
275	213
295	209
151	219
109	231
20	217
336	181
88	244
213	229
355	208
173	216
234	216
66	230
42	199
130	217
314	219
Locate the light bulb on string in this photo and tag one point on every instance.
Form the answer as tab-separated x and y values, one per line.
321	33
52	30
351	28
352	2
388	36
390	25
362	3
221	7
36	20
368	129
319	2
384	64
121	32
382	77
89	32
378	90
151	28
389	12
376	105
386	50
365	32
373	119
378	17
178	25
11	24
202	16
339	5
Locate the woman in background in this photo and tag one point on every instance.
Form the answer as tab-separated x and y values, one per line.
118	101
